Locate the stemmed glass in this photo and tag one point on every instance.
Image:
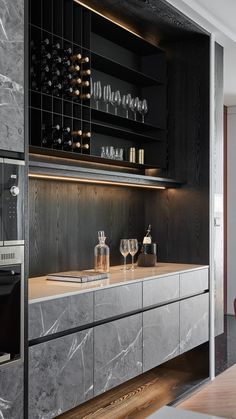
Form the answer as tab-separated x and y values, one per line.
124	250
126	99
133	248
107	95
116	100
97	92
134	106
143	108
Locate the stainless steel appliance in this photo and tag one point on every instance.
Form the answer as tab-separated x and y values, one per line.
11	304
11	202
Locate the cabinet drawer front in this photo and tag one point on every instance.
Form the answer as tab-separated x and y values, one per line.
60	374
194	322
193	282
160	335
117	300
59	314
117	352
160	290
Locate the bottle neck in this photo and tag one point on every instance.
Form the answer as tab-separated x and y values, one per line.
102	241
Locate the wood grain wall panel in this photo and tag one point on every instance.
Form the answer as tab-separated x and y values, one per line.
180	217
65	218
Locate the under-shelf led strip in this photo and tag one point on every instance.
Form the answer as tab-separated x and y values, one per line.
95	181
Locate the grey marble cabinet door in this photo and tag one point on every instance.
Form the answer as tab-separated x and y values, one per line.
11	392
117	352
194	322
160	335
60	374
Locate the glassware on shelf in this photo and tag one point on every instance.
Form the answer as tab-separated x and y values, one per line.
124	250
107	96
134	106
126	99
101	254
143	109
97	92
116	100
119	154
133	248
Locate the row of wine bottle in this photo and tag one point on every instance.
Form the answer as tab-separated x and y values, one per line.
66	139
59	72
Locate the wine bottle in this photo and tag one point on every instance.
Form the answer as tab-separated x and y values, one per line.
76	146
46	56
56	47
85	96
76	80
67	144
57	89
76	57
50	141
34	84
85	72
84	60
46	86
85	146
74	68
148	238
56	59
77	133
56	72
86	134
45	42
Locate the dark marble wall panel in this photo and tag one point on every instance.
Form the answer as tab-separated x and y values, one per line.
117	300
60	374
59	314
11	392
160	335
117	352
12	75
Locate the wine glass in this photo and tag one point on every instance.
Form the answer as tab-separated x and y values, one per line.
124	250
126	103
133	248
116	100
143	108
134	105
107	95
97	92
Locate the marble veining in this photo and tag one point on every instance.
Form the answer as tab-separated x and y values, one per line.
11	392
51	316
118	352
12	75
60	374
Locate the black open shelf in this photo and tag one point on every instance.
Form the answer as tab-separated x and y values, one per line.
122	133
113	68
89	158
122	121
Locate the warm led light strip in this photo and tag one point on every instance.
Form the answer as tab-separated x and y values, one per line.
107	18
100	182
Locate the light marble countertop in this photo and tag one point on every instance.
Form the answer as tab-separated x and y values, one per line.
42	289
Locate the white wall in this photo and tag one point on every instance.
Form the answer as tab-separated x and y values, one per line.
231	202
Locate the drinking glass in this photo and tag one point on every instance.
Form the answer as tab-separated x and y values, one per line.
143	109
126	99
116	100
107	95
133	248
134	105
97	92
124	250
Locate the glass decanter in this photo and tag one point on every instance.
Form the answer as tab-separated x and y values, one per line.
101	254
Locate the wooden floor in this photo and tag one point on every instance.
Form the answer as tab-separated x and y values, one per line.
144	395
216	398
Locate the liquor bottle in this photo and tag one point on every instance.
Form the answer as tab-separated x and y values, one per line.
148	238
85	72
101	254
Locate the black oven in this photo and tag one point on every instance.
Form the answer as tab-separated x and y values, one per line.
11	202
11	304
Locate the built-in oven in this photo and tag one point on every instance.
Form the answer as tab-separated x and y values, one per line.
11	304
11	202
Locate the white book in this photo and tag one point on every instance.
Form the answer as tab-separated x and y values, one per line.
77	276
4	357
